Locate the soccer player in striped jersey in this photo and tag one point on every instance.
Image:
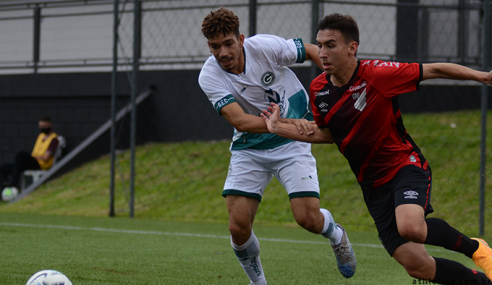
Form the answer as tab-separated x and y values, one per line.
355	106
241	78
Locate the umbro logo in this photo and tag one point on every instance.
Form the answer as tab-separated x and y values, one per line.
410	194
323	105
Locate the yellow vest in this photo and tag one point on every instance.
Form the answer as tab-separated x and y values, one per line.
40	148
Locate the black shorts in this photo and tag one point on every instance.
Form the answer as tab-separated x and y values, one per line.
411	185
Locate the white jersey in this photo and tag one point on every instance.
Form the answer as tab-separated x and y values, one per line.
265	79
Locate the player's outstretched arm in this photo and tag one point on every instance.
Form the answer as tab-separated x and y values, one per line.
241	121
290	131
454	71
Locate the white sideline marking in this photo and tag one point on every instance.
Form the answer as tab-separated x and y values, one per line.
177	234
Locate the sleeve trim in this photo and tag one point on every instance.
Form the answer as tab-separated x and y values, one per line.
224	102
301	50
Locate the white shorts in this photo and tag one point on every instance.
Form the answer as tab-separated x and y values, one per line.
294	166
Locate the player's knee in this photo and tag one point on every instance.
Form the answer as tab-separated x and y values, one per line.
412	232
311	222
239	231
306	224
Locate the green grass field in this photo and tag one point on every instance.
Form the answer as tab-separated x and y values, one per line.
179	234
123	251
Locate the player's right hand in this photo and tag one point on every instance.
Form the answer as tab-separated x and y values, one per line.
271	117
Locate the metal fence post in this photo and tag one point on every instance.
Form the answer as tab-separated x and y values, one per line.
462	30
252	17
37	37
407	36
113	106
137	28
315	11
485	89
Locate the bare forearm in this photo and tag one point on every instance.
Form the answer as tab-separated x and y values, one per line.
241	121
253	124
290	131
250	124
453	71
287	120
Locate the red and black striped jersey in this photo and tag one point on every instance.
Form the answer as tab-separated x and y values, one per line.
365	120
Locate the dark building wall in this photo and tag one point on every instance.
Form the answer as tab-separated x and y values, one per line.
80	103
77	103
180	111
432	98
407	35
177	111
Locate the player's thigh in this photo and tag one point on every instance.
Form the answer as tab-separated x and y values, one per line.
412	190
242	209
413	185
380	203
298	174
410	219
247	176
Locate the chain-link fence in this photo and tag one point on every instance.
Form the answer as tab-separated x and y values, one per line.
54	36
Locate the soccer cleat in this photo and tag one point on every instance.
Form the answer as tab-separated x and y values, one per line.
483	257
345	255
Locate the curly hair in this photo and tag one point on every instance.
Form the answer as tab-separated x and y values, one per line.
220	21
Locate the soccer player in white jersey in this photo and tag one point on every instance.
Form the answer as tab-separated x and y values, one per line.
241	78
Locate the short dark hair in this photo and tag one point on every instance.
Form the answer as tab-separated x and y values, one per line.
220	21
45	118
344	23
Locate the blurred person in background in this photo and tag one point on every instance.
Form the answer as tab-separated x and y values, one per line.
41	157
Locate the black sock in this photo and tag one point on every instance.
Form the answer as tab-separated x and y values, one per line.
442	234
452	272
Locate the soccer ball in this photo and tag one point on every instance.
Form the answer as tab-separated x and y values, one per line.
49	277
9	193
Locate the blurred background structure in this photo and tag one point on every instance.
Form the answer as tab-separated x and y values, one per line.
74	60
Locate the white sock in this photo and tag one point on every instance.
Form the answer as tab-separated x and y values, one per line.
330	230
248	255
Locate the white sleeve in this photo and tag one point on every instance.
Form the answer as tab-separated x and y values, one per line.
283	52
215	89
